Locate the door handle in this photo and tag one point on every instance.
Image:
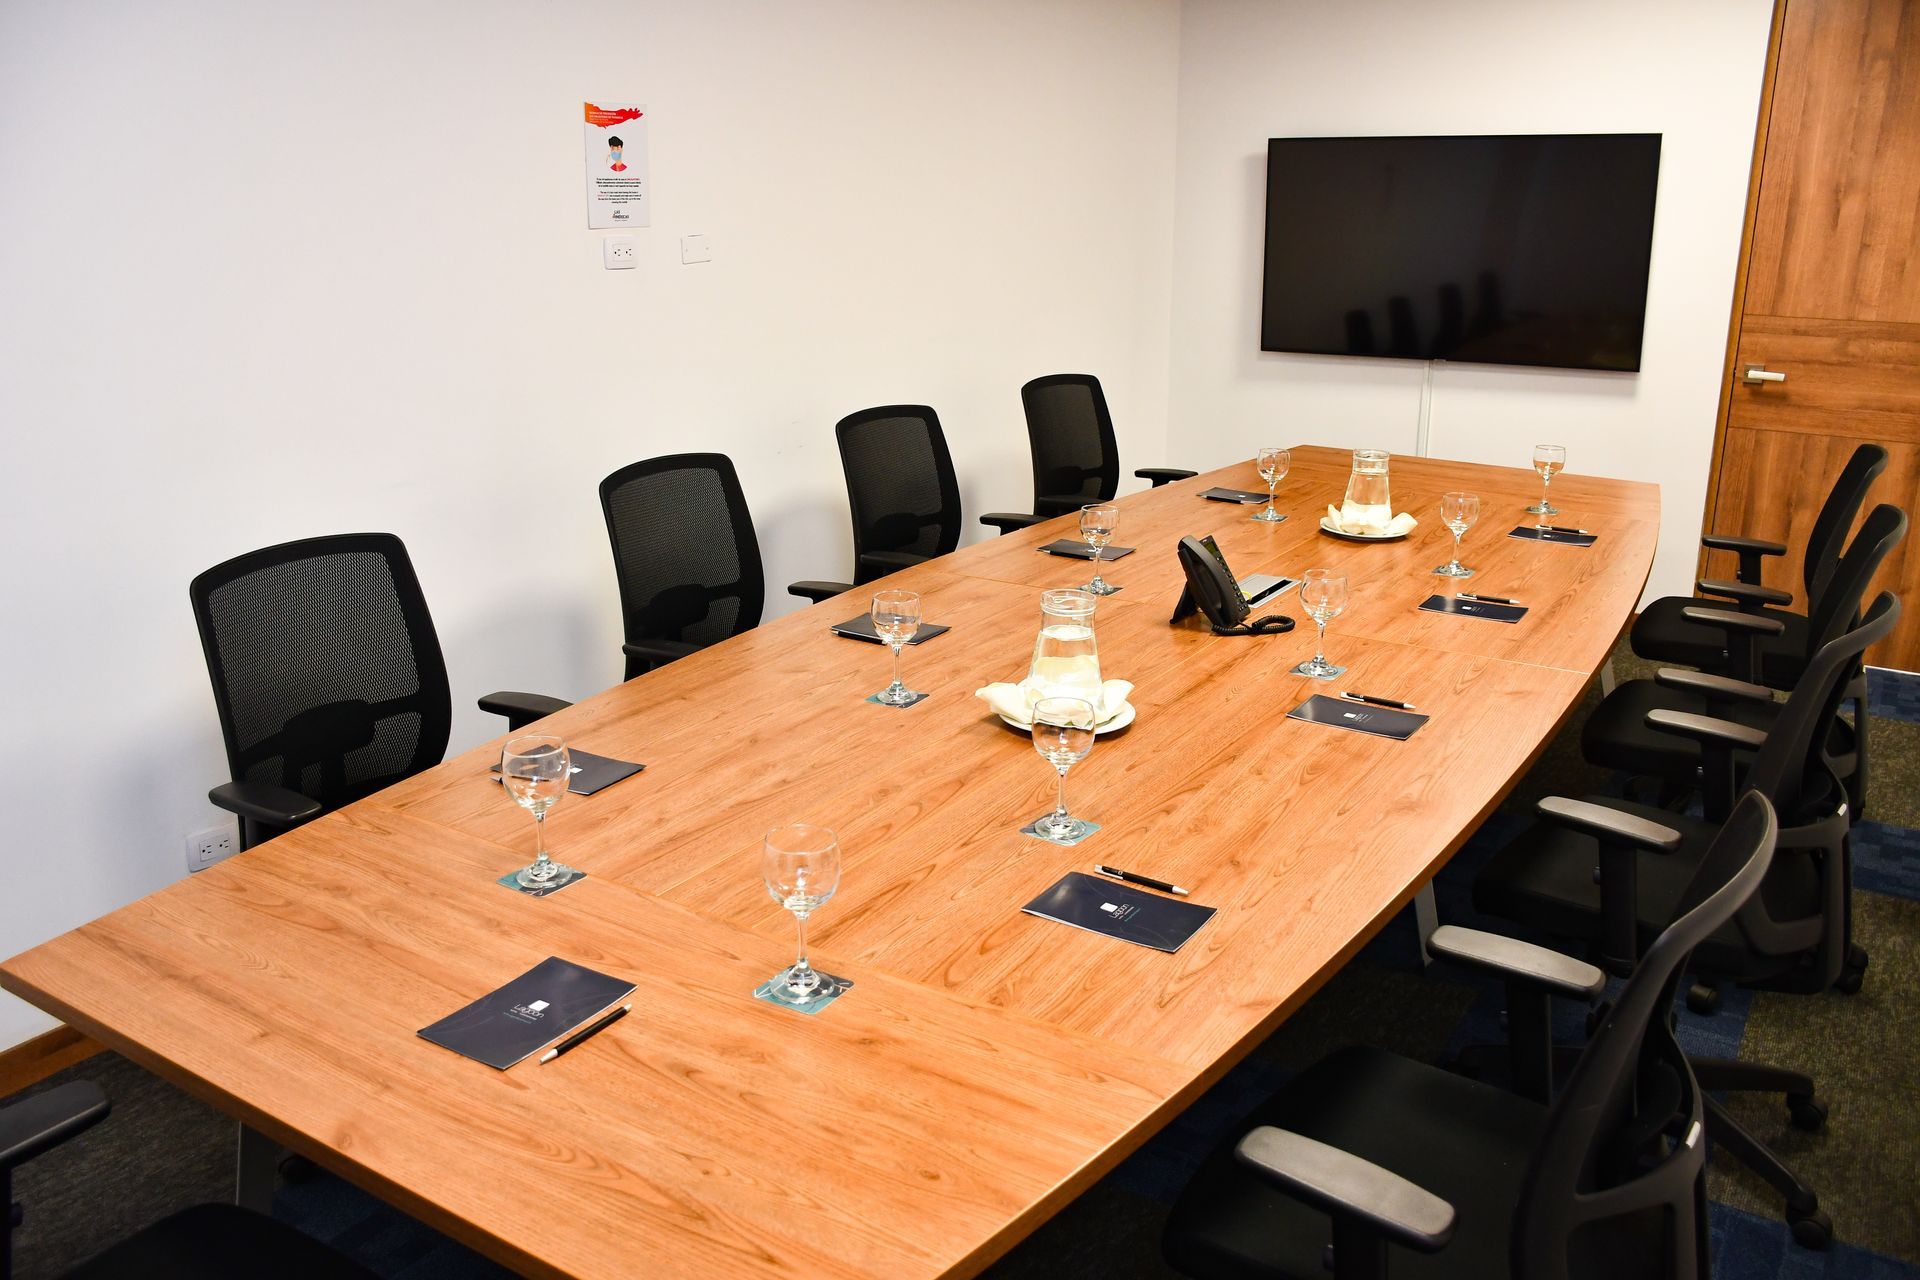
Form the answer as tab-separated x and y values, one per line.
1755	374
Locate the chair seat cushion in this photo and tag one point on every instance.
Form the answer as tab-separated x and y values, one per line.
1617	735
219	1242
1662	633
1466	1142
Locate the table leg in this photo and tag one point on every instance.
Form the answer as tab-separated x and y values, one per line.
1426	918
256	1169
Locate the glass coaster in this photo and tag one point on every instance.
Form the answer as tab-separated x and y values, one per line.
898	706
831	988
512	881
1032	829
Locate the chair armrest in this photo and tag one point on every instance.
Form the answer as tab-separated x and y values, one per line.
1344	1185
1520	961
1715	687
1609	825
1750	551
658	650
1164	475
522	709
40	1123
816	590
1745	593
1007	521
1728	620
892	561
1706	729
264	802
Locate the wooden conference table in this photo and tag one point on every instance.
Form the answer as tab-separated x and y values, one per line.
988	1065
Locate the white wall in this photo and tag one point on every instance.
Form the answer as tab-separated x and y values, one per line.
1254	69
268	272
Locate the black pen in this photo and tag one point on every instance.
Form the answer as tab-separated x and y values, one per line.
1131	878
1378	702
1560	528
578	1036
1472	595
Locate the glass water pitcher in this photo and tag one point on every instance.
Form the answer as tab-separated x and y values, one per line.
1368	500
1066	661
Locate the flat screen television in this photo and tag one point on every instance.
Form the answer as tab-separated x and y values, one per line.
1514	249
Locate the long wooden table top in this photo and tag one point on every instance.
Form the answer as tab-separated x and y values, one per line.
988	1065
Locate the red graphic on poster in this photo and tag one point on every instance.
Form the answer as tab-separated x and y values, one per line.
602	117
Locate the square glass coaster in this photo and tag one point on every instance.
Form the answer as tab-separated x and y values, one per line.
555	885
831	988
1032	829
897	706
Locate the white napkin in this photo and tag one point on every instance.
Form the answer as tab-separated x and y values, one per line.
1400	524
1010	700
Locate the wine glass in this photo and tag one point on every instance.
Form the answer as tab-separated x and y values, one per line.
1323	593
1272	464
535	770
896	620
801	867
1097	521
1548	459
1063	735
1458	511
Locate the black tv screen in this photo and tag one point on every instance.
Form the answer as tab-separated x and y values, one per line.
1516	249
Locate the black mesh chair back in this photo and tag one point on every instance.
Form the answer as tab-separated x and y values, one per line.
1836	517
1624	1149
326	670
1845	587
1075	457
901	486
685	554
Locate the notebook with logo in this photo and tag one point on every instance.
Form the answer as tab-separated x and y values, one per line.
1246	497
861	628
1474	608
548	1001
1535	534
1121	911
1341	713
593	773
1081	551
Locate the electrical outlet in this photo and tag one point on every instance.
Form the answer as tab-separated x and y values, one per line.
618	252
204	848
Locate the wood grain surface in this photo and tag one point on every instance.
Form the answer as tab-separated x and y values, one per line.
988	1065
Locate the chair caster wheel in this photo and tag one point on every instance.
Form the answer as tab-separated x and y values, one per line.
1703	999
1807	1112
1811	1230
1857	957
1848	983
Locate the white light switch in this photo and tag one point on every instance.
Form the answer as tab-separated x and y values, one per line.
619	252
693	249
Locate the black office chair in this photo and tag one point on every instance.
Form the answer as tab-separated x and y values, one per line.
1665	633
1613	872
1440	1175
1076	459
327	676
1619	735
206	1242
901	487
685	554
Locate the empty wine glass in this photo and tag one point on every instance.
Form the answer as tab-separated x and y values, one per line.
535	770
801	867
1548	459
1097	521
1272	464
896	620
1063	735
1323	593
1458	511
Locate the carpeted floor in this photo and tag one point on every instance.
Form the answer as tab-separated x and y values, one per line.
161	1150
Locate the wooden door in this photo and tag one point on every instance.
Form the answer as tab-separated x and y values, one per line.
1831	294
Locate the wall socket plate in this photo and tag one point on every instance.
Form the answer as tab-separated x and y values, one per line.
618	252
204	848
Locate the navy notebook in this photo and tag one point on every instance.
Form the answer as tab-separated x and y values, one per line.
1081	551
1383	722
1474	608
1120	911
1246	496
1537	534
593	773
546	1002
861	628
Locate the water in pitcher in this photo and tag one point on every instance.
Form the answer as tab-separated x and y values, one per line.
1369	501
1066	658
